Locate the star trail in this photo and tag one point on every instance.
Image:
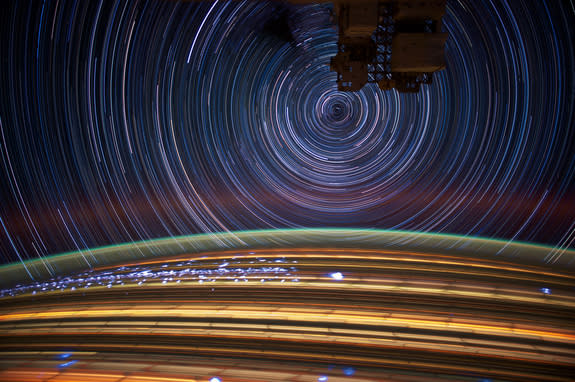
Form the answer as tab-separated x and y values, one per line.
124	121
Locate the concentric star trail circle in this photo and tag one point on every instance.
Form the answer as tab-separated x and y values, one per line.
125	121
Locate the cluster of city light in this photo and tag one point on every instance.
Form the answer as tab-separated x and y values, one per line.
232	270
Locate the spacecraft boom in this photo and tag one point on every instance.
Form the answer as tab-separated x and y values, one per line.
394	43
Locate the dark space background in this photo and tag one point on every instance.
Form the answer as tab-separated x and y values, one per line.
129	120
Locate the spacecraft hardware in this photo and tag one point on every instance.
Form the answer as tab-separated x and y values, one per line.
394	43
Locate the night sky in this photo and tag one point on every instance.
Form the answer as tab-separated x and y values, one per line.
129	120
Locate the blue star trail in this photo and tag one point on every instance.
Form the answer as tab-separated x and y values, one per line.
125	121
